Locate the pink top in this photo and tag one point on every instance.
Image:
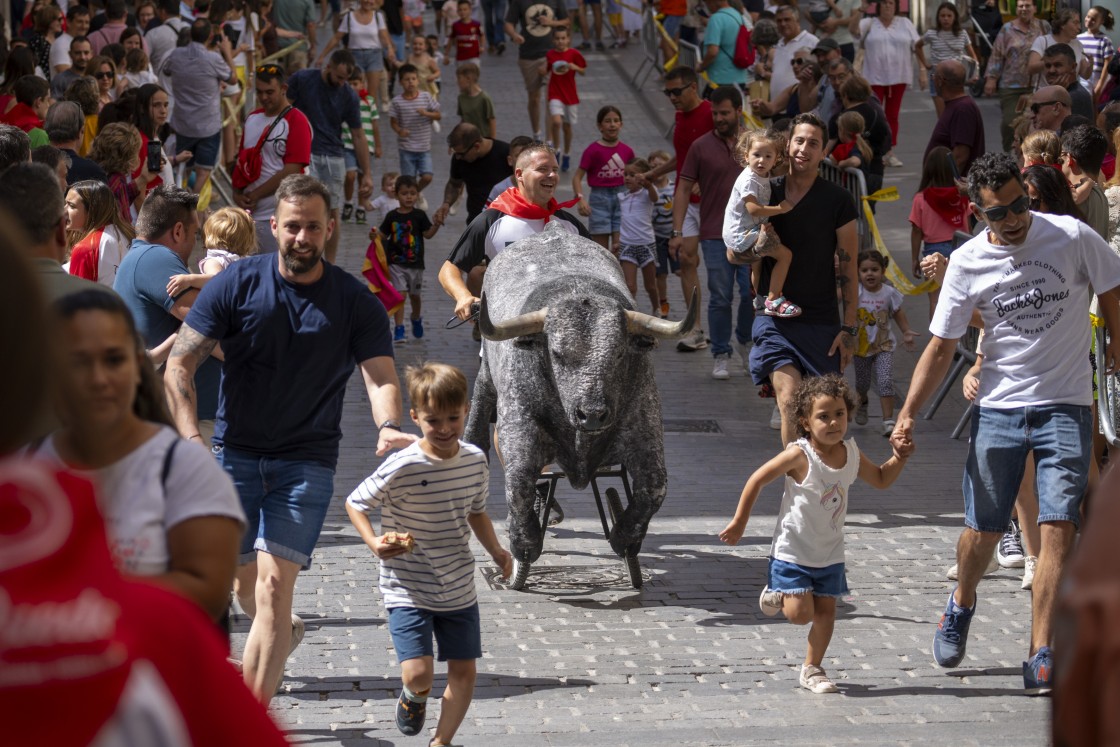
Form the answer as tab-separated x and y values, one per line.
604	166
934	228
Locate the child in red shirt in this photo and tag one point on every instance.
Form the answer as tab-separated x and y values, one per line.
466	36
560	66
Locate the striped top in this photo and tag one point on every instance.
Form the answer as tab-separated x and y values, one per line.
1099	48
406	112
368	108
431	499
942	45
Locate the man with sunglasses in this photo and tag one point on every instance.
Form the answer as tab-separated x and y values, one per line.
1049	106
1029	276
477	163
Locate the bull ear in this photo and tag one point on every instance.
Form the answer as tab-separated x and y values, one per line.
645	324
531	323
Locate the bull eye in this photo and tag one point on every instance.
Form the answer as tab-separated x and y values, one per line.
642	343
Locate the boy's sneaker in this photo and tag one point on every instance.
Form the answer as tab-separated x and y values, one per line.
417	328
347	211
719	370
422	203
1038	671
952	634
664	309
692	342
1028	572
776	418
814	679
1010	549
398	334
297	633
744	351
770	601
888	428
359	216
410	716
861	413
565	163
993	566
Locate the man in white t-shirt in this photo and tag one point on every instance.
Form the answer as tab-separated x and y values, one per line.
1029	277
793	39
286	150
77	24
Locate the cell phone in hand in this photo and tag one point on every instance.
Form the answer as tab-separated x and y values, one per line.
155	155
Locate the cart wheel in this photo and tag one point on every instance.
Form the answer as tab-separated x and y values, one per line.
520	575
614	503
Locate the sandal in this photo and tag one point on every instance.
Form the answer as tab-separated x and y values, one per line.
781	308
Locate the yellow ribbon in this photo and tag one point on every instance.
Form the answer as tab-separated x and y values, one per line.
897	277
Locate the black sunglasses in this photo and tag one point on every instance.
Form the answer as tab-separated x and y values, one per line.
1040	104
104	74
675	91
999	212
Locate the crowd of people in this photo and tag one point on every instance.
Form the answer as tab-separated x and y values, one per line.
186	395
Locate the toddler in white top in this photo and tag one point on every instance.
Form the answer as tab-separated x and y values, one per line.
387	201
806	573
637	244
748	208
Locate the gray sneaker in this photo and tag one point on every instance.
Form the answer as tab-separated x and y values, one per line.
692	342
744	351
719	370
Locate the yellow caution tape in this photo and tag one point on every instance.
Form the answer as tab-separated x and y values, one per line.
897	277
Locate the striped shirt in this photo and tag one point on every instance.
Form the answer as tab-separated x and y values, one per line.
1099	48
406	113
431	499
941	45
368	109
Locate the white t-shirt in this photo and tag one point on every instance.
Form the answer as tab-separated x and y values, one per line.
60	51
293	133
1034	300
139	507
810	529
245	36
736	220
636	219
876	310
783	76
888	51
363	35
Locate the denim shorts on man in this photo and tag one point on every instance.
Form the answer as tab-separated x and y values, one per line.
1061	439
285	503
331	171
458	633
204	150
793	578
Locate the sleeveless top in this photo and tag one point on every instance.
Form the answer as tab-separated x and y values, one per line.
810	529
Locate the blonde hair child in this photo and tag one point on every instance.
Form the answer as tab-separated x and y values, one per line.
1041	147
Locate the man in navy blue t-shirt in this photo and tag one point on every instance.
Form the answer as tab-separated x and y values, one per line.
292	328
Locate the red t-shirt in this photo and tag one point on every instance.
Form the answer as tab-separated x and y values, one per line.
467	38
562	86
691	125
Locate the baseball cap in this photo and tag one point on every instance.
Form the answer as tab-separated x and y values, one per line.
825	45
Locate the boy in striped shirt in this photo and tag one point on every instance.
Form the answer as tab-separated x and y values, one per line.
435	490
367	105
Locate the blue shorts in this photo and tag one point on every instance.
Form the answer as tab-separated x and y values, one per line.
1060	437
458	633
415	162
204	150
351	160
369	60
672	24
944	248
791	578
285	503
331	171
606	215
665	263
780	342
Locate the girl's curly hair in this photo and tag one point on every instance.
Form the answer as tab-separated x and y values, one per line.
830	385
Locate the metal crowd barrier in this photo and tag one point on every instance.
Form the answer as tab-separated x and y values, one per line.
853	182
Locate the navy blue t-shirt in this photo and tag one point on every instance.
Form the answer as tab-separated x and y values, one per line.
142	282
289	351
328	109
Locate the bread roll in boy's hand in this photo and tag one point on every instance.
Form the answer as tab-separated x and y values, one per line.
392	544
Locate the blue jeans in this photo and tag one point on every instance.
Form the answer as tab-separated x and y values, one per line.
1060	437
494	16
285	503
721	296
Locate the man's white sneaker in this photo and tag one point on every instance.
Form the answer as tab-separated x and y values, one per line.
993	565
719	370
744	351
1028	572
776	418
297	633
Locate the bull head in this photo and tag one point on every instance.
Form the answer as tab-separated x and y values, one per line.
532	323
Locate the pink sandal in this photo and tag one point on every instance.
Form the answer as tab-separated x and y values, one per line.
781	308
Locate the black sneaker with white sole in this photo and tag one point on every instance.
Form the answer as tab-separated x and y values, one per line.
1010	551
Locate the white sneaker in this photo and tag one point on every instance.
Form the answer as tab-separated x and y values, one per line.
297	633
719	370
814	679
776	418
1028	572
422	203
993	565
744	351
770	601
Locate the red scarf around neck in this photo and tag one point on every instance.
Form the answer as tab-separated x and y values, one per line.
512	202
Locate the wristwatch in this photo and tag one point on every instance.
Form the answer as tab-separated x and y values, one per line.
851	330
394	424
676	234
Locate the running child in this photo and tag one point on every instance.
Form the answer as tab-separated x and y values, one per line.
465	37
603	162
875	343
749	207
637	245
806	569
938	211
560	66
403	233
663	228
367	106
387	200
427	69
474	105
412	115
426	565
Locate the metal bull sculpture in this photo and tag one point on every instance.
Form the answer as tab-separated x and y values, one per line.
566	369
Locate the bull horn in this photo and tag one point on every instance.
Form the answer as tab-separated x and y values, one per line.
519	326
638	323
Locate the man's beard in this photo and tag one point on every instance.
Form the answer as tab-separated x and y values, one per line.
300	265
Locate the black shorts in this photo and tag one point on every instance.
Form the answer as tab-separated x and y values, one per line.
780	342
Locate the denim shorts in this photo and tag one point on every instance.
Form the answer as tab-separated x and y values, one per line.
781	342
285	503
204	150
606	215
1059	436
415	162
791	578
944	248
369	60
458	633
351	160
331	171
672	24
665	263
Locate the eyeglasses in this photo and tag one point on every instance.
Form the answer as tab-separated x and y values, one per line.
675	91
103	74
269	70
999	212
799	61
462	153
1040	104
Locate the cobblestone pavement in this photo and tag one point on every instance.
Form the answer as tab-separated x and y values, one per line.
579	657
